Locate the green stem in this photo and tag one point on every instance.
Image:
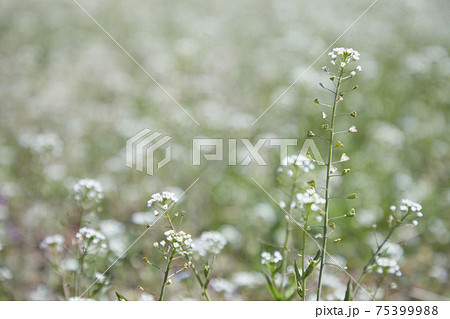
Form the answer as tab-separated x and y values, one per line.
166	275
375	255
288	233
327	189
200	282
303	251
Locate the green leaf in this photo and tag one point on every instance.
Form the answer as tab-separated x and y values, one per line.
313	264
349	291
312	183
120	297
298	280
291	288
272	289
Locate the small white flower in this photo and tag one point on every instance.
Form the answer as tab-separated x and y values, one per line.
88	190
353	73
358	68
165	199
268	258
91	240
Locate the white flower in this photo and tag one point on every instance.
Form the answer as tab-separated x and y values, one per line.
146	297
310	197
90	239
345	56
5	274
248	279
358	68
409	205
88	190
54	241
111	228
69	264
143	218
180	242
210	242
353	73
44	143
302	162
222	285
165	199
268	258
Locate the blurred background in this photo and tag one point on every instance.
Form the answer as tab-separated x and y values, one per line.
70	98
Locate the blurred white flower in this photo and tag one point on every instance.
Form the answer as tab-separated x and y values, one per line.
5	274
146	297
310	197
210	243
248	279
88	190
143	218
222	285
302	162
55	241
90	240
69	264
268	258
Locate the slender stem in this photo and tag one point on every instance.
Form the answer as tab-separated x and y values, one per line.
200	282
327	190
288	233
375	254
303	251
166	275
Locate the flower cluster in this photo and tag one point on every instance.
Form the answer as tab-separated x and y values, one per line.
388	265
47	143
180	242
164	199
268	258
302	162
88	190
210	242
389	260
310	197
343	57
90	238
55	241
409	207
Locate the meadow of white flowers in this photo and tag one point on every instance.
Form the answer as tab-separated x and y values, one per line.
369	222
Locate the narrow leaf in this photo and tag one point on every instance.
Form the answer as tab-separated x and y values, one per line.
120	297
349	291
